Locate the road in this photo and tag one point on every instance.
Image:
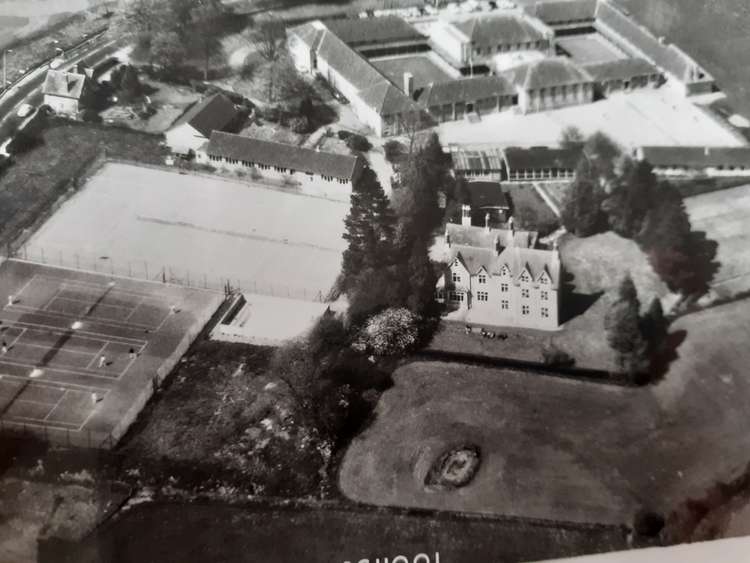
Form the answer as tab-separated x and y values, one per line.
28	89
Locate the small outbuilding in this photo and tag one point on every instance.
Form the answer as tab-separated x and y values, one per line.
194	127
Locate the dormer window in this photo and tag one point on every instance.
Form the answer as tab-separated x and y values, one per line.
482	278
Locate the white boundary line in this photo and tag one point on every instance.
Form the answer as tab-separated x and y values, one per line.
35	422
100	320
66	384
61	370
45	347
88	366
57	404
96	336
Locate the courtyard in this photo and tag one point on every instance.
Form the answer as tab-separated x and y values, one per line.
589	48
646	117
424	68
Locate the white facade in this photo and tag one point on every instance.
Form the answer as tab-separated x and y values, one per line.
62	104
183	138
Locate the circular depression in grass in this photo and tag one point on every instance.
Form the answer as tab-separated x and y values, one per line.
455	468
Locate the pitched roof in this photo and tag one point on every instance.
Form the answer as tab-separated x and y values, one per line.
210	114
697	157
309	33
468	89
65	84
487	160
375	89
362	31
282	155
535	261
561	11
623	69
500	29
487	194
668	57
544	73
481	237
536	158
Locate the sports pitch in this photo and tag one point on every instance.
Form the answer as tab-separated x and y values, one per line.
197	230
83	351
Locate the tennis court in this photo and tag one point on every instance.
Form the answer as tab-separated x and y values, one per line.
81	352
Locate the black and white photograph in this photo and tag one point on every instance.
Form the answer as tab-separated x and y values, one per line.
374	281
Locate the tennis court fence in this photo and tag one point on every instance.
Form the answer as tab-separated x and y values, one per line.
149	271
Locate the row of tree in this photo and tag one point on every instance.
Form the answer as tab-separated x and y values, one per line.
613	191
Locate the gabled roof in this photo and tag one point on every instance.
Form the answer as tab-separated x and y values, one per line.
500	29
623	69
386	99
668	57
347	62
534	260
210	114
487	194
486	160
542	158
282	155
64	84
363	31
309	33
545	73
696	157
481	237
561	11
468	89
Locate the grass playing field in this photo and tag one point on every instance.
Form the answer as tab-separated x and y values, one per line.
81	352
197	230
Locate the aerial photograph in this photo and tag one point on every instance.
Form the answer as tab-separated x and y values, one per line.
374	281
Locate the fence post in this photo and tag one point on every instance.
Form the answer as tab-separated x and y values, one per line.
145	266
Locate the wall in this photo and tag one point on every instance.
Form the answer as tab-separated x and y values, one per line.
183	138
62	105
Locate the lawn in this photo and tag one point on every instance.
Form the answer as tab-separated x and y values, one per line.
39	177
566	450
528	206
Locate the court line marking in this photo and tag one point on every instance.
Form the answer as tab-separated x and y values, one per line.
57	404
100	336
31	401
90	303
47	383
62	370
51	299
17	338
134	310
88	366
61	332
26	421
23	288
48	347
100	320
73	282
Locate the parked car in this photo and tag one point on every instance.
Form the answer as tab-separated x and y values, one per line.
25	110
56	63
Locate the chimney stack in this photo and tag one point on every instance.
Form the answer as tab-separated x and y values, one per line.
409	84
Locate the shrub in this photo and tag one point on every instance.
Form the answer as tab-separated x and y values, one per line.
394	150
300	124
358	143
91	116
391	332
553	356
344	135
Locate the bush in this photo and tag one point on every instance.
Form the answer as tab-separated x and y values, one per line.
91	116
394	150
392	332
272	114
300	124
344	135
358	143
553	356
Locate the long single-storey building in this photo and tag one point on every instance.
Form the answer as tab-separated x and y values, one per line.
332	173
452	100
551	83
481	163
535	164
317	50
697	161
193	128
378	37
624	75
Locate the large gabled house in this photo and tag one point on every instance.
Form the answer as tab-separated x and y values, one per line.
498	277
193	128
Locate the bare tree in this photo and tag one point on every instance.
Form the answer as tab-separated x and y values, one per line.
206	26
269	39
413	125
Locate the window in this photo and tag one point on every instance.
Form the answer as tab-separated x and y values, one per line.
504	305
525	310
456	296
482	278
545	313
525	277
504	287
456	277
482	296
525	293
544	295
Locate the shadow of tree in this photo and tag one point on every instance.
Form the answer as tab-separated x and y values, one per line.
666	354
